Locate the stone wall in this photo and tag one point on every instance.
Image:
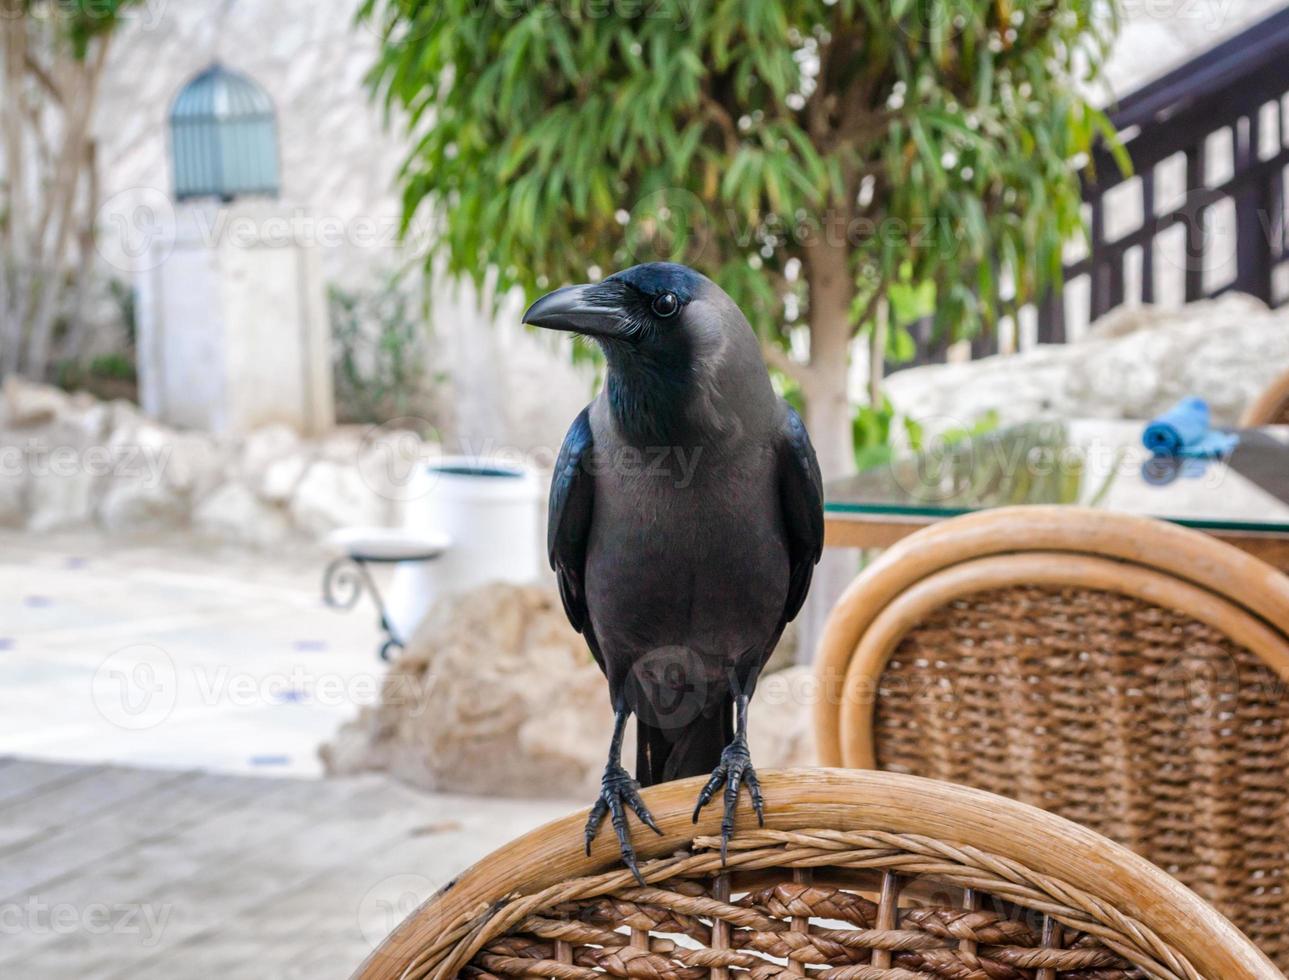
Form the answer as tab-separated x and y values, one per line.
1133	364
73	461
70	461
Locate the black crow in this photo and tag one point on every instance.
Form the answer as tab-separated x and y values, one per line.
686	517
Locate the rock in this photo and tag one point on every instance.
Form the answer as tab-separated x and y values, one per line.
28	404
786	651
347	442
123	415
1226	351
194	463
264	447
52	456
1126	320
544	727
781	722
234	513
67	460
330	496
141	505
60	498
944	397
85	421
282	478
143	494
13	490
1133	364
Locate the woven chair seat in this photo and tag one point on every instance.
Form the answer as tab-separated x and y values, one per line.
797	921
840	900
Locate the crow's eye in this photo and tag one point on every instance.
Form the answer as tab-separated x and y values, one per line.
666	304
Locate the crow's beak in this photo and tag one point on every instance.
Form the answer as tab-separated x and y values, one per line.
592	310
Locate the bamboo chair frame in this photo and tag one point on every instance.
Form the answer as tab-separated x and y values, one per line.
935	575
941	873
1160	562
1269	408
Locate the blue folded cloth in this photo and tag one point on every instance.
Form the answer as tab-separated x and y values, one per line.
1183	431
1159	471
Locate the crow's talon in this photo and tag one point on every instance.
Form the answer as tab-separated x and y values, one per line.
617	792
754	789
735	770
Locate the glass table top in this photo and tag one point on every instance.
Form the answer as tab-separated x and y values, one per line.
1092	463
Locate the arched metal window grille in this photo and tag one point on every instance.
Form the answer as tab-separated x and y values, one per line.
223	134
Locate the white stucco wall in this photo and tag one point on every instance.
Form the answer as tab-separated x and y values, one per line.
338	168
337	162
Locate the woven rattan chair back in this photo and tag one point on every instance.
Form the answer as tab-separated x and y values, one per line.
856	876
1122	672
1271	407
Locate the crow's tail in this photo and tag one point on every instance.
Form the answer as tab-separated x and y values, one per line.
695	749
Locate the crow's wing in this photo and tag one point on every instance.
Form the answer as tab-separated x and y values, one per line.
571	502
801	501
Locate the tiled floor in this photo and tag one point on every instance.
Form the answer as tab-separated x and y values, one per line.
176	655
111	873
168	673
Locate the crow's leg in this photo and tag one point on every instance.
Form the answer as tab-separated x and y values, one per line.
617	792
735	770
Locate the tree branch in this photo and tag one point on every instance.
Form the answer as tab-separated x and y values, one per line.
46	80
879	292
779	359
713	109
13	231
61	210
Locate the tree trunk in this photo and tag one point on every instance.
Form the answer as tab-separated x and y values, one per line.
877	353
828	415
78	329
65	195
12	283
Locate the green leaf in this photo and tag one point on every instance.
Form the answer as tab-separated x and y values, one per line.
900	346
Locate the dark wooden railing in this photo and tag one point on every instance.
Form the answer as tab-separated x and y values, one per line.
1236	88
1203	211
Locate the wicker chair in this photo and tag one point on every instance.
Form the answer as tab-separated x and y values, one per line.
859	875
1122	672
1271	407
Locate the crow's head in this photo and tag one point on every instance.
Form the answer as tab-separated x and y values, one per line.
681	356
651	309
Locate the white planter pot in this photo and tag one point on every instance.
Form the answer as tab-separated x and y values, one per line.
489	511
